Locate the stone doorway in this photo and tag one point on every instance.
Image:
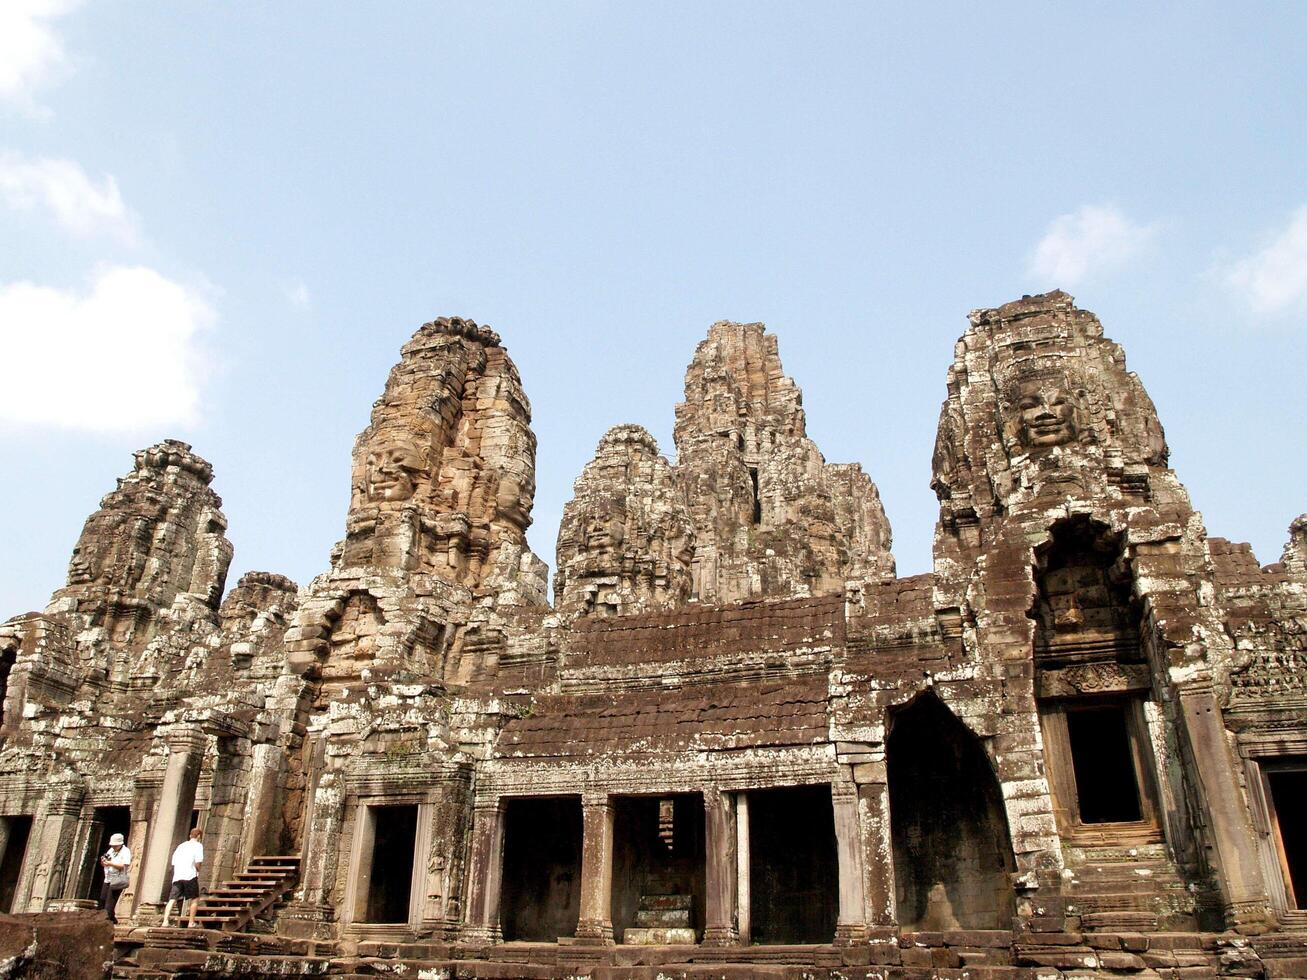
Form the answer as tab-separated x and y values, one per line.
952	852
1287	783
383	865
658	869
541	890
105	822
793	869
18	830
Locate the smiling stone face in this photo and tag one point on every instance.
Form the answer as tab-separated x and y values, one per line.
393	472
1045	413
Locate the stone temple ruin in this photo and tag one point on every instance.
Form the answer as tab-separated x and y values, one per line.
735	744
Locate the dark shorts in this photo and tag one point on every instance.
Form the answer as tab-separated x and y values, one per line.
185	889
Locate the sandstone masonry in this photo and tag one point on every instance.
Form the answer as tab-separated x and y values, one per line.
736	744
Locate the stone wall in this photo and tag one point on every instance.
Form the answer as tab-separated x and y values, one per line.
731	689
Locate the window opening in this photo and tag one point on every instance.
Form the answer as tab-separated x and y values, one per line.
757	500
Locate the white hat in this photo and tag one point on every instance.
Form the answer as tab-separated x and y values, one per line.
116	840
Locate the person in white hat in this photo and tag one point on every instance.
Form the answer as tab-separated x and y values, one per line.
117	864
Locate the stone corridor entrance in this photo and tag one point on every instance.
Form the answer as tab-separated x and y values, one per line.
658	869
107	821
1288	792
16	831
952	853
390	879
793	870
541	890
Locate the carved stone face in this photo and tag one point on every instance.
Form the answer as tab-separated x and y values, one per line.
604	532
392	473
1046	414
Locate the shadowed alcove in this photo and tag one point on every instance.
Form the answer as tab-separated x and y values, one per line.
794	873
952	852
541	897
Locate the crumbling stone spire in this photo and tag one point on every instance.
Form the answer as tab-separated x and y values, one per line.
444	476
771	517
160	537
626	540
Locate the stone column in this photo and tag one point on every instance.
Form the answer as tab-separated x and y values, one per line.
878	851
720	869
310	916
743	886
595	926
1230	835
851	925
52	855
485	870
262	809
172	819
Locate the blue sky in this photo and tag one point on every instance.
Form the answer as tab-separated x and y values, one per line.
219	222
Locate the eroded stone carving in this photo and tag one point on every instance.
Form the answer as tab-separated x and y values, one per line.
626	540
160	537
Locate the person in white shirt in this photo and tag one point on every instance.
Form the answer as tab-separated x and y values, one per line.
186	861
117	864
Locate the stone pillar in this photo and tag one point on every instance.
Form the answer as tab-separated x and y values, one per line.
851	925
50	855
262	810
485	871
309	917
720	869
172	820
595	926
1230	836
878	851
743	886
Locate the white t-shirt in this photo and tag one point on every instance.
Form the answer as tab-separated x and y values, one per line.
118	876
189	853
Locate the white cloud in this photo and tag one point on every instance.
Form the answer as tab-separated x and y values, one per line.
62	187
297	294
1274	280
31	53
1093	240
121	357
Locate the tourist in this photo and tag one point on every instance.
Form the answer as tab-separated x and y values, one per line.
117	864
186	861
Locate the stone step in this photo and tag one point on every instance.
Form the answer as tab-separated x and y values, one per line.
663	918
661	902
1119	921
637	936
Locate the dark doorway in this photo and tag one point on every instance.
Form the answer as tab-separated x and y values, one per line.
11	866
541	884
391	881
952	853
1107	789
107	821
793	870
658	864
1289	797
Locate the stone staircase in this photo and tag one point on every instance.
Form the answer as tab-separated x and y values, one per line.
234	904
1128	888
661	920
